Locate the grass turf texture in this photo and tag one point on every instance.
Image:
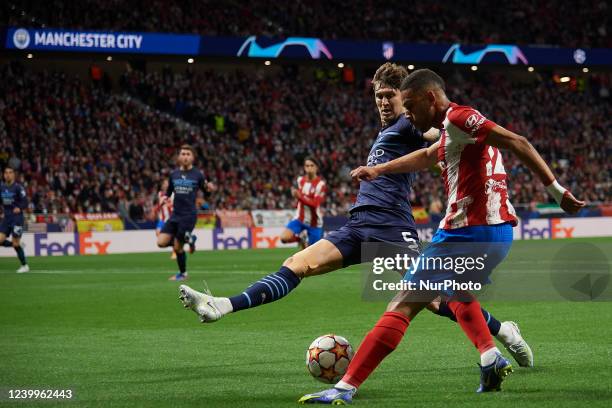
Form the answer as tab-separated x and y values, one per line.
112	329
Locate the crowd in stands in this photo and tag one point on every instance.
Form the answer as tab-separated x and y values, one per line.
552	22
85	148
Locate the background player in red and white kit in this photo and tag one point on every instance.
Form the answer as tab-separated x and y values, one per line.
479	215
163	210
310	193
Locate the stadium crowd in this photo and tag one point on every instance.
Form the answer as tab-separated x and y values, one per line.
84	148
553	22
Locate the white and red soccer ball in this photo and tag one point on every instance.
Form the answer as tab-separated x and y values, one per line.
328	357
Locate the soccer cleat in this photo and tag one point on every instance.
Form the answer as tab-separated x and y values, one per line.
179	277
517	346
203	304
333	396
192	241
23	269
493	375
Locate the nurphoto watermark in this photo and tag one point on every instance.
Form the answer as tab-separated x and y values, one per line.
558	271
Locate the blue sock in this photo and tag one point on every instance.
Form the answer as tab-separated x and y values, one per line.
7	243
181	260
266	290
21	255
493	324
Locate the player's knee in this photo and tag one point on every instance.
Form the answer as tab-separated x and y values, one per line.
299	265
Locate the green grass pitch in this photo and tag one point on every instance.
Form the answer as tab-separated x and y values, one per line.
112	329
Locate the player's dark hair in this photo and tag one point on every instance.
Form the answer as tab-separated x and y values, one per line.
188	147
389	75
421	79
312	159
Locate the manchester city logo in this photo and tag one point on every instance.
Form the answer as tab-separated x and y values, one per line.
21	38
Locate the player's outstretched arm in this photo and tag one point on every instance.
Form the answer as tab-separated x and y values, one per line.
417	160
528	155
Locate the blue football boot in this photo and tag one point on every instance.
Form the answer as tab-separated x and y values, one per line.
333	396
493	375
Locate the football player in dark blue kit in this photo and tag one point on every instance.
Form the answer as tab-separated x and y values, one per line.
184	182
14	202
381	214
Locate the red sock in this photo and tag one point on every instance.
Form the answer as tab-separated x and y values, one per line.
380	342
294	238
470	318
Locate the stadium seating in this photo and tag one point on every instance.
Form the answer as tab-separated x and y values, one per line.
536	22
89	149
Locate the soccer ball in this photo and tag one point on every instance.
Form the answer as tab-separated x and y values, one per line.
328	357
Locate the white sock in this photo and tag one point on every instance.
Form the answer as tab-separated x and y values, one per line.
506	334
224	305
488	357
344	386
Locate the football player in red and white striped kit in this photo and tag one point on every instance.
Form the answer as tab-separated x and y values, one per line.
310	194
479	215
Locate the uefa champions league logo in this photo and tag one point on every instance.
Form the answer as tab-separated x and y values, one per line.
21	38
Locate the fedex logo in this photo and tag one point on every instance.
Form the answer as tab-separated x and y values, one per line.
552	228
244	238
77	244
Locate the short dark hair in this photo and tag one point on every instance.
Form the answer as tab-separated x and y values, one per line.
389	74
312	159
422	78
188	147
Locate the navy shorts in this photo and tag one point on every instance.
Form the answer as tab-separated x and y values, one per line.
179	226
12	226
373	225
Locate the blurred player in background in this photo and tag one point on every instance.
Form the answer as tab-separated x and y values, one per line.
184	183
478	211
310	193
14	202
381	214
163	210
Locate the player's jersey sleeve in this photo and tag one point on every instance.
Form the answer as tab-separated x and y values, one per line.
22	198
321	191
473	125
